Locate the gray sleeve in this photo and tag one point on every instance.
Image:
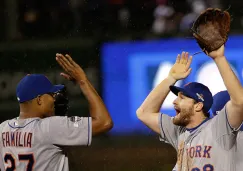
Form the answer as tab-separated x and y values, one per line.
1	164
223	133
69	130
168	131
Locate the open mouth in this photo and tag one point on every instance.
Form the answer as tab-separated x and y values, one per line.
177	111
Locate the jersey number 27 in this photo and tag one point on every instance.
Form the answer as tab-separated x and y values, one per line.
10	161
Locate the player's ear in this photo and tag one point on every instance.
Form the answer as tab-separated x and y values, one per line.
39	100
198	106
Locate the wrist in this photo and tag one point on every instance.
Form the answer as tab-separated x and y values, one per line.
171	79
218	58
82	80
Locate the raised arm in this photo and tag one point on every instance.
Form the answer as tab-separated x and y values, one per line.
101	120
234	107
148	112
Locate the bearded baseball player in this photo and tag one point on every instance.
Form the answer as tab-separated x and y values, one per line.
201	143
33	140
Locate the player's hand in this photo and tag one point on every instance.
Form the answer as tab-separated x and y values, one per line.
73	71
181	69
217	53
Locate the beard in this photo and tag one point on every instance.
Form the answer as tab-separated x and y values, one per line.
183	118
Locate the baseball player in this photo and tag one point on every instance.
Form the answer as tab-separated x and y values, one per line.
33	140
202	144
220	100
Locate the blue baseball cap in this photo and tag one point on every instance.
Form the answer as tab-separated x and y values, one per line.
33	85
219	101
196	91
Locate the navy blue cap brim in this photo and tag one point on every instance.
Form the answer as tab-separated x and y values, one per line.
56	88
176	90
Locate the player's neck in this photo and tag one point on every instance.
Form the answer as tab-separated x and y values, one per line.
195	121
24	115
28	110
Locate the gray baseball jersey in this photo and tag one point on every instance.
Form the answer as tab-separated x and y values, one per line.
239	151
35	144
209	147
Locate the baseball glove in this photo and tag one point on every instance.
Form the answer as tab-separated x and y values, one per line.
211	29
61	102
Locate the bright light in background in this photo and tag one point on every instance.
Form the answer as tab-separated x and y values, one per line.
208	74
162	73
131	70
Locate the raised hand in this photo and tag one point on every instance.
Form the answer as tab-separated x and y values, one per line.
73	71
217	53
181	69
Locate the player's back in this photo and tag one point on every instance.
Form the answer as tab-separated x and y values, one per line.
25	146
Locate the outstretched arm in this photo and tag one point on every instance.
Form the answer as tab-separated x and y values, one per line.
235	106
148	112
101	120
